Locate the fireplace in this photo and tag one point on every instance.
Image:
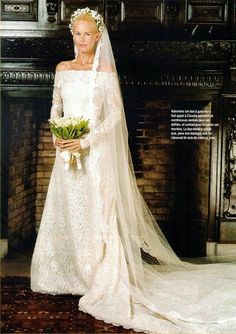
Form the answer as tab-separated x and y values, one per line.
189	185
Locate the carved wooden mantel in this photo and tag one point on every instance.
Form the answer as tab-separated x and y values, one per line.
151	63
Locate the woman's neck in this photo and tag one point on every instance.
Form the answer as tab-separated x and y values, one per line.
86	58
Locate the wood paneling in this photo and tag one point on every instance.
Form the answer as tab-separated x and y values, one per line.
67	7
141	11
207	12
25	10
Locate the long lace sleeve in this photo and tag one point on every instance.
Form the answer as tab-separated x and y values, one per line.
57	104
113	107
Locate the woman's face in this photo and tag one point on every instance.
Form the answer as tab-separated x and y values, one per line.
85	35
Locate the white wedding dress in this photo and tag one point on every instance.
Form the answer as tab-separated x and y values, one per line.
79	250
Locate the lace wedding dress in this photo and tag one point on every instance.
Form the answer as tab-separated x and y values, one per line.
79	249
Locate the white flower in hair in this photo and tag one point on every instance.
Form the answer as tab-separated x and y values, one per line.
97	17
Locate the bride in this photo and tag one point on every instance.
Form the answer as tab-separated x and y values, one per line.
97	235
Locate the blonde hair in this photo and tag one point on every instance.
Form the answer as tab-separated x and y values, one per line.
85	17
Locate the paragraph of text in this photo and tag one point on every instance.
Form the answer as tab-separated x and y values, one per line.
192	124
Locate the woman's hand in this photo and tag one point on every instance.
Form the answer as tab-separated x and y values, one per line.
68	144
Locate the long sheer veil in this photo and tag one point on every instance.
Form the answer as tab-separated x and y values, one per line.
160	277
137	226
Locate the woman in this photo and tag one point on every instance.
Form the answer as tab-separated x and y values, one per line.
95	222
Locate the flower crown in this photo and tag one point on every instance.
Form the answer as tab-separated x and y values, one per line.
97	17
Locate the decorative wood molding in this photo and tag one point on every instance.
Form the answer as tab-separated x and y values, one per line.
24	77
157	19
230	163
52	9
16	8
53	48
24	10
207	12
69	6
113	14
202	50
172	9
141	11
233	55
184	80
179	79
44	48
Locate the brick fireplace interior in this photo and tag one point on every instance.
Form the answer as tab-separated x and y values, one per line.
186	183
172	175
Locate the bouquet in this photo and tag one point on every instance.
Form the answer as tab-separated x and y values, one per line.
69	128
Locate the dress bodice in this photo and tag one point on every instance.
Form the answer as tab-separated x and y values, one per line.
75	92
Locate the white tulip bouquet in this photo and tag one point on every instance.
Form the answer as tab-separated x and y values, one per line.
69	128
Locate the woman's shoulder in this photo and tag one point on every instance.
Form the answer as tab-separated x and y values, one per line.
68	64
63	66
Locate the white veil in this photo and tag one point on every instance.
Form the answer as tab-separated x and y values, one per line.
161	280
137	226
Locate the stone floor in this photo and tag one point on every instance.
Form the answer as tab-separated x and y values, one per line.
17	262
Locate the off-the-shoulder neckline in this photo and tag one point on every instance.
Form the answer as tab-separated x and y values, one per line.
82	71
72	70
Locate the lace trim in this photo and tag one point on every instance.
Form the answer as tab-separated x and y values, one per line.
116	324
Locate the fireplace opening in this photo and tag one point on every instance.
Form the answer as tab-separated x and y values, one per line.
172	175
192	180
